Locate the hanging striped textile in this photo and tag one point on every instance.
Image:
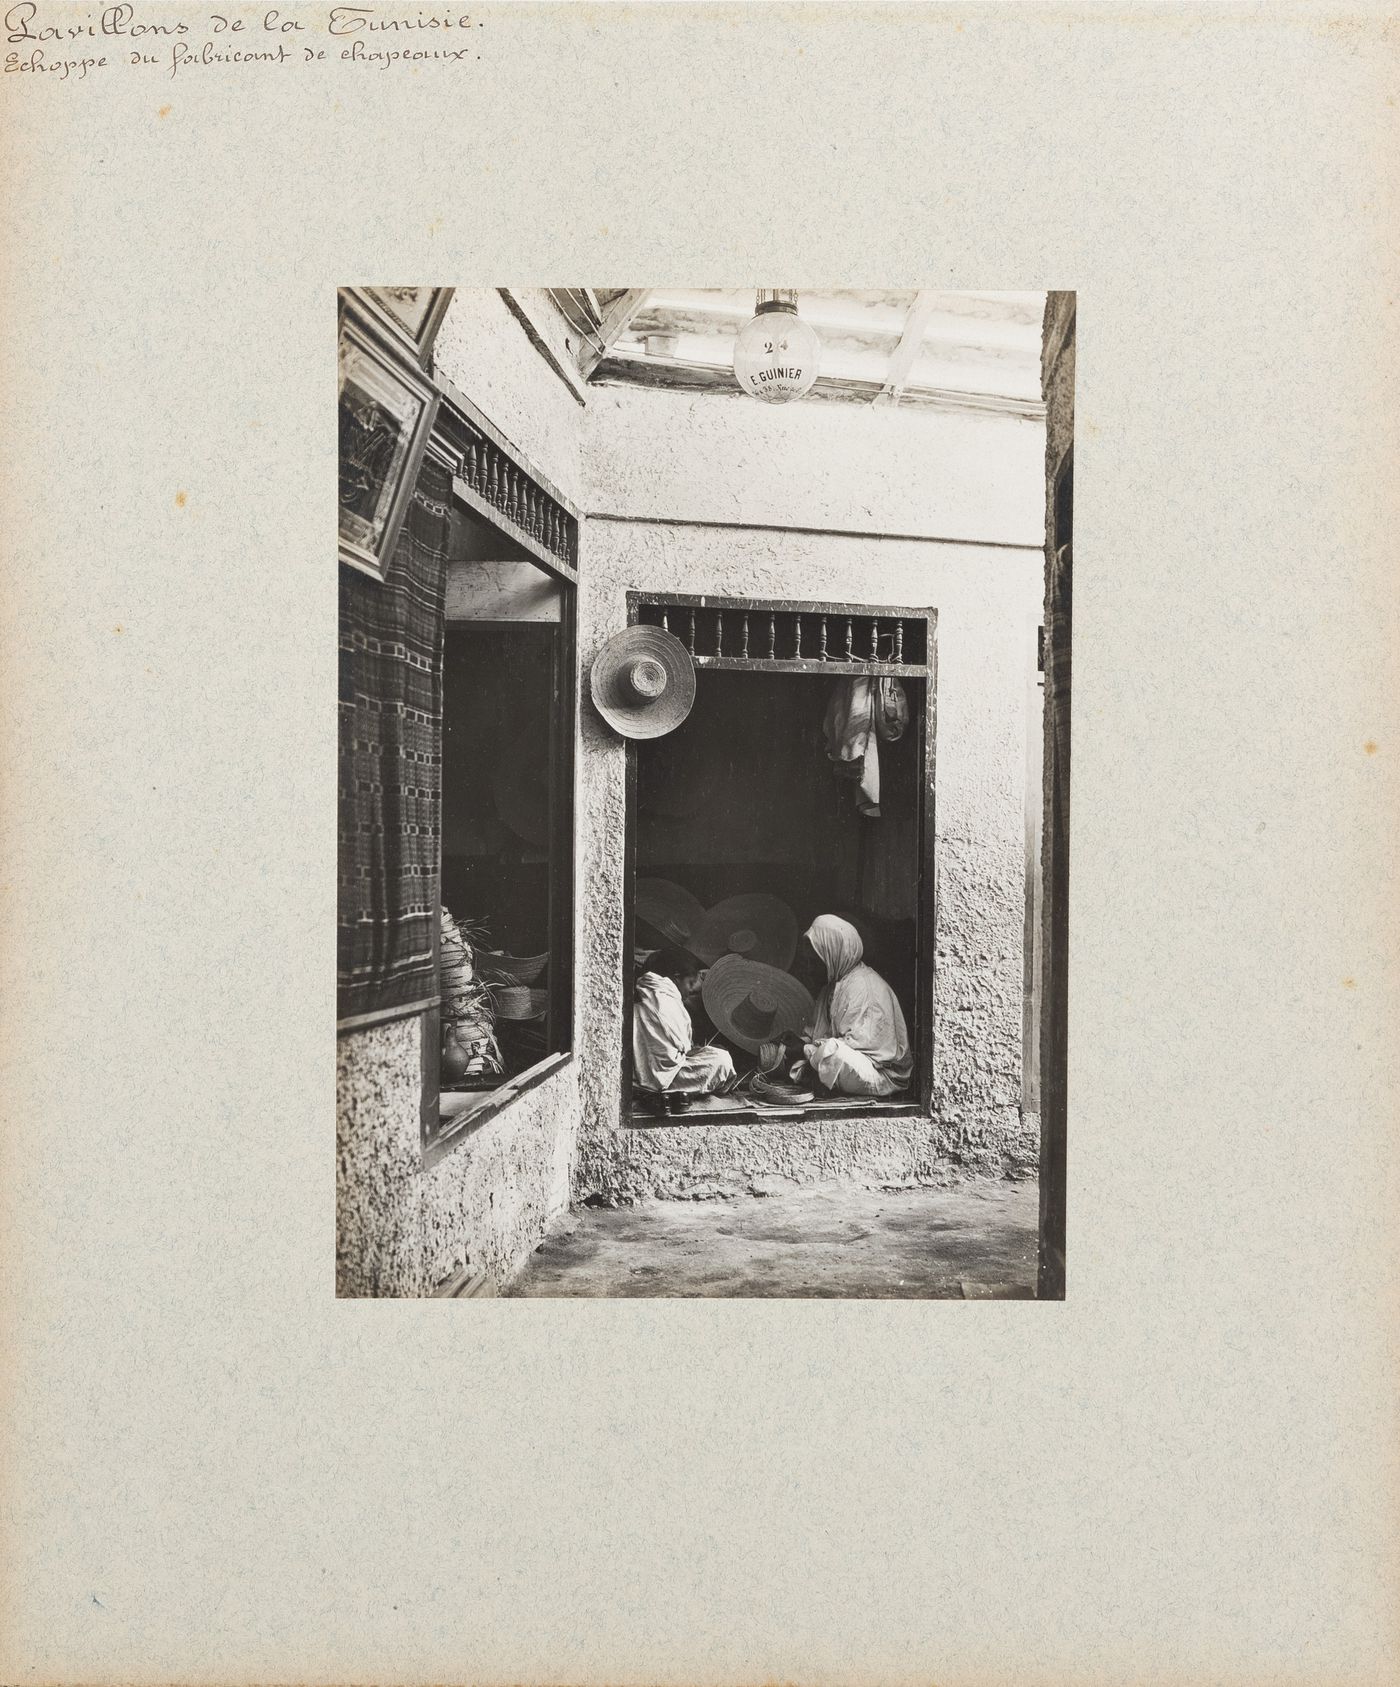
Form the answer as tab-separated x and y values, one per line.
390	763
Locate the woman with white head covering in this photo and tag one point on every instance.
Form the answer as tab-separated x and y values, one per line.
859	1044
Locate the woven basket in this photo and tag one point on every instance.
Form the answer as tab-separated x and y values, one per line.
515	1001
518	969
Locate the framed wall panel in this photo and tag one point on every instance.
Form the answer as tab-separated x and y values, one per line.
410	316
386	410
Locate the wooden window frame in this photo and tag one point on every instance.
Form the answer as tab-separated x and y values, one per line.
354	334
419	345
518	511
926	900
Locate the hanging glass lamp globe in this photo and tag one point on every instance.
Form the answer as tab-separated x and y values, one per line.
777	354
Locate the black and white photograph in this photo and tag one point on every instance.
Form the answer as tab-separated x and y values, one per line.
704	716
641	883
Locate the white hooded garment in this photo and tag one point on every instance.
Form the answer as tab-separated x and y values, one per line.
860	1044
662	1056
661	1031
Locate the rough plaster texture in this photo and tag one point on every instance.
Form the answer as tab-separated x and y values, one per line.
403	1230
706	460
710	460
987	603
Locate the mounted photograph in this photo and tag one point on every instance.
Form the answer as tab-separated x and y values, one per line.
704	715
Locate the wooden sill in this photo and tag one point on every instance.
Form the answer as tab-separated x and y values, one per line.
801	1114
482	1106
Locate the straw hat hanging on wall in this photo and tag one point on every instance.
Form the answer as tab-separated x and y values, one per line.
756	927
643	682
752	1004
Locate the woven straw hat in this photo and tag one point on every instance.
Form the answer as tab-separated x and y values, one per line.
515	1001
752	1004
519	969
643	682
669	909
756	926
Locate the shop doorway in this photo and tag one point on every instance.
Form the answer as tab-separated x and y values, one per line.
743	800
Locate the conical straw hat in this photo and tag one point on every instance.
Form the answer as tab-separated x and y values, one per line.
752	1004
669	909
643	682
756	926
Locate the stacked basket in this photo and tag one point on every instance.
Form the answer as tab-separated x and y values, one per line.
469	1048
511	977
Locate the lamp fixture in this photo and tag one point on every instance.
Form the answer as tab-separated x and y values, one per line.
777	355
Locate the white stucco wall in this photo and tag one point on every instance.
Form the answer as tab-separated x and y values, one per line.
483	350
708	457
708	461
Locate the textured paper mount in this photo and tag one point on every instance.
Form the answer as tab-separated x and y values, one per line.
1183	1474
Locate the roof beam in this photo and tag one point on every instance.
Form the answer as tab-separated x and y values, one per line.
624	367
907	351
615	319
578	308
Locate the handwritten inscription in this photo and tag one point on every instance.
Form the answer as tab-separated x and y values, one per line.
62	46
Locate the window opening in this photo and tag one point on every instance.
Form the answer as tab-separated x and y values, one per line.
743	800
505	960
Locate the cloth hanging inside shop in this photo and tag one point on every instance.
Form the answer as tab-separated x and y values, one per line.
852	745
891	709
888	887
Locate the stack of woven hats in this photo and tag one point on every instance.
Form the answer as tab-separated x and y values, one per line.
746	944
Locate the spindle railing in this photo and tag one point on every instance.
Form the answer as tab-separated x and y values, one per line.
489	474
743	633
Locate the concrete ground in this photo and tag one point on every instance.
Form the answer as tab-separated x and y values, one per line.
976	1241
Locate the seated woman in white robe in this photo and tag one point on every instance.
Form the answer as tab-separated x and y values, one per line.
858	1043
664	1056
